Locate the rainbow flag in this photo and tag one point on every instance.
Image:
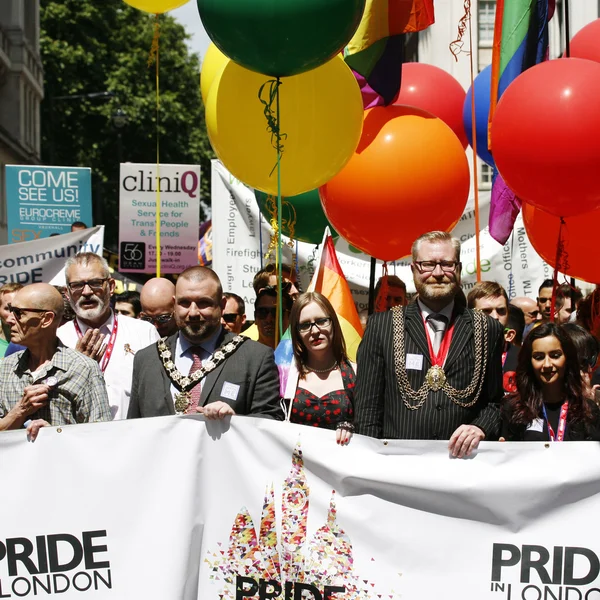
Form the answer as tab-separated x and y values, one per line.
376	52
520	42
330	281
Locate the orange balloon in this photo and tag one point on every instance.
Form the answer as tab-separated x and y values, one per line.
578	233
409	175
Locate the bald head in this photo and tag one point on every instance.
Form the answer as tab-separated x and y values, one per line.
157	293
528	306
158	303
199	274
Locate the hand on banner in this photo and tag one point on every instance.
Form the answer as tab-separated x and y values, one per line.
464	440
216	410
343	435
34	428
91	343
34	398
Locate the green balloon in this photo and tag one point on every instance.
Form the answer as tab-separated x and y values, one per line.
310	220
281	37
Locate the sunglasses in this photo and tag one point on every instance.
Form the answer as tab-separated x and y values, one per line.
18	311
265	311
544	300
229	317
322	323
96	285
160	320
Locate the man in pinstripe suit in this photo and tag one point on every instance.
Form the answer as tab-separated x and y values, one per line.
433	369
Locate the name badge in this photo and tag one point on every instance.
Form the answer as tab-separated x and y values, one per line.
230	391
414	362
536	425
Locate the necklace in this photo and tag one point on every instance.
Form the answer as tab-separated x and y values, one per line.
331	368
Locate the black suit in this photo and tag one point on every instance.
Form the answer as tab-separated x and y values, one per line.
380	410
251	367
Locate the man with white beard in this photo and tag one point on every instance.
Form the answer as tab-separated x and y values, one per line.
433	369
98	332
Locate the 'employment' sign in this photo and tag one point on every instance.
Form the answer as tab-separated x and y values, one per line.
46	200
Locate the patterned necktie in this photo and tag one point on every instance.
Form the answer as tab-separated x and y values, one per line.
438	324
198	354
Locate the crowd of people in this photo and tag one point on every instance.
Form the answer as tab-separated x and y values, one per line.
440	365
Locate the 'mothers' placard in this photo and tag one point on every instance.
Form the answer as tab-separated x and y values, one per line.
179	217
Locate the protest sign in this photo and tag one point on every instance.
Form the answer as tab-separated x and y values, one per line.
46	200
179	217
239	233
246	508
43	260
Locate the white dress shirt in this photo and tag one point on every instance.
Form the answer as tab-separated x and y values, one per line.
426	312
183	355
132	335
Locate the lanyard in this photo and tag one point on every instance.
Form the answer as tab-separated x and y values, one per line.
109	347
440	358
562	423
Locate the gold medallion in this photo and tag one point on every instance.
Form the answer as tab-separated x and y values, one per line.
436	378
182	401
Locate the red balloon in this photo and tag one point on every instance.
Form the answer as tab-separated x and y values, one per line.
409	175
577	258
546	136
585	42
435	91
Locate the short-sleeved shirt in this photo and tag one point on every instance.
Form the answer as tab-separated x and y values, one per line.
79	396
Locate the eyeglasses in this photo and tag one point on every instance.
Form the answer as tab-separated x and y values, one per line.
96	285
229	317
265	311
428	266
18	311
160	319
322	323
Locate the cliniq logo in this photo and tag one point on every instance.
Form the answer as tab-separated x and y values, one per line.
53	564
532	572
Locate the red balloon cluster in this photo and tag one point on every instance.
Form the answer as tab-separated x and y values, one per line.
546	136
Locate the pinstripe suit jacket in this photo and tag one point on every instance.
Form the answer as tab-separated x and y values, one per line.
379	407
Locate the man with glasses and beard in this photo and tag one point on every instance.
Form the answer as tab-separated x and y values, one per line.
204	368
110	339
47	383
446	360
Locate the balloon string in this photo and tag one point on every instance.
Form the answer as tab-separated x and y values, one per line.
456	47
557	267
154	58
474	148
273	119
279	147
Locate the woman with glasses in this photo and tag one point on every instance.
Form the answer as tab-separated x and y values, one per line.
549	403
324	393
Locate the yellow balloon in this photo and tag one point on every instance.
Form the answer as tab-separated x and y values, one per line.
213	63
321	113
156	6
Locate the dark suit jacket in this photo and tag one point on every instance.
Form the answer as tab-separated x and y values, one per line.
380	410
252	367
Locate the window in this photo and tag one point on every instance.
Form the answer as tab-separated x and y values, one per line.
485	177
486	16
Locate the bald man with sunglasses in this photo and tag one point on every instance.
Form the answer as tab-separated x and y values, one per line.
47	383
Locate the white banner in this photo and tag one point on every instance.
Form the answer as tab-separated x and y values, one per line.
179	217
179	508
43	260
237	236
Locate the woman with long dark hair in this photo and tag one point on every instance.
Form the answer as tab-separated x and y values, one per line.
549	403
323	396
